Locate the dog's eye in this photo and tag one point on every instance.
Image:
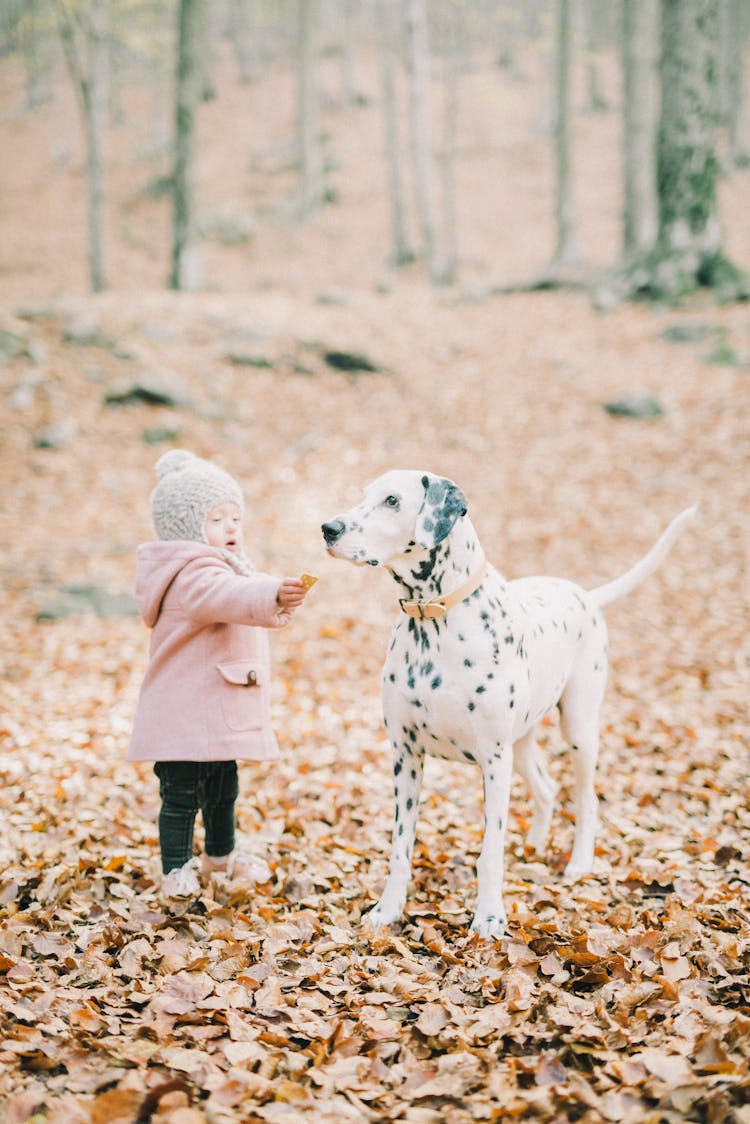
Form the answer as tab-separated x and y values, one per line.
393	502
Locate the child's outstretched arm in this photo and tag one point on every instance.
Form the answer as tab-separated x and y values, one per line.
292	592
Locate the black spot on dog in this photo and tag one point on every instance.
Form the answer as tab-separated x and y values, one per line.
425	568
436	683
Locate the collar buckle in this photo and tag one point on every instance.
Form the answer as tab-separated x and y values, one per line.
424	610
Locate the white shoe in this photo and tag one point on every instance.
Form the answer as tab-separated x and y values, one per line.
181	882
239	865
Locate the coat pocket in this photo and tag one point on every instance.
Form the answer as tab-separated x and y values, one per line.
242	694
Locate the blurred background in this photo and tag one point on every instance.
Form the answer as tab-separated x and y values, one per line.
235	143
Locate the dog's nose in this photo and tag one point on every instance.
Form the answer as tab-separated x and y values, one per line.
333	531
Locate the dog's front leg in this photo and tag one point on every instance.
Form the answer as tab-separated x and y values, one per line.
490	918
408	766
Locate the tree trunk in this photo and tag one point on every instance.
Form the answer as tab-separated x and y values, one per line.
35	50
421	132
187	258
207	52
244	32
594	16
639	132
84	42
311	191
566	252
735	22
401	252
451	47
687	165
689	251
348	80
95	114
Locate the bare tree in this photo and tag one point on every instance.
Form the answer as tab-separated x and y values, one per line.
401	251
595	15
312	186
348	80
83	30
688	252
690	248
567	249
422	133
451	51
640	107
244	33
29	32
735	25
187	257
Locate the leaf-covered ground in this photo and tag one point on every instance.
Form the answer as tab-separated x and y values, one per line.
625	997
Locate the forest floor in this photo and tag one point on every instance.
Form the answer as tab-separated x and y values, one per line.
623	997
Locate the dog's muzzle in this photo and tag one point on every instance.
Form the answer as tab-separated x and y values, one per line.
333	531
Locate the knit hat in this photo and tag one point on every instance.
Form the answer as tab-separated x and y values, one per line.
188	488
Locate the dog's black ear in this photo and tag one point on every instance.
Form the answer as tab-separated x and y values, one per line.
443	504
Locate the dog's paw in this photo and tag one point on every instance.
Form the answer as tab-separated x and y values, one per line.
575	871
578	868
380	917
489	926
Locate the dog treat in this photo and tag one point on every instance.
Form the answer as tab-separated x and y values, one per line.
308	580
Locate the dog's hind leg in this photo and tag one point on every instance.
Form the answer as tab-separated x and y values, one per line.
408	766
529	762
579	720
490	918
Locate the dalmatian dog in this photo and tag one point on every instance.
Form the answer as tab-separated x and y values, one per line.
474	663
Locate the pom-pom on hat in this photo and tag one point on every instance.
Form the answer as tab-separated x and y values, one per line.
188	488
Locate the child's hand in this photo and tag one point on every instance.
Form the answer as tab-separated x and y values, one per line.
292	593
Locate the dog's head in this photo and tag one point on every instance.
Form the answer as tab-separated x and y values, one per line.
402	512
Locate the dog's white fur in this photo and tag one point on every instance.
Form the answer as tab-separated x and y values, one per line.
473	685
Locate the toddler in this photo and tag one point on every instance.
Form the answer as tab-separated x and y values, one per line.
204	701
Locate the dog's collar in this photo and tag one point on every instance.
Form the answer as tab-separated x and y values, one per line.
437	607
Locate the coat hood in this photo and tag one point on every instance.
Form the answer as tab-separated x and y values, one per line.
157	565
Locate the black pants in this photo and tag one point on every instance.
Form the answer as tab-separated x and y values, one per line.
186	787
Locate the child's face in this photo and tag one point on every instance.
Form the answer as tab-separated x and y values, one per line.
223	527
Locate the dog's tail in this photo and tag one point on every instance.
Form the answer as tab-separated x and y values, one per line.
621	586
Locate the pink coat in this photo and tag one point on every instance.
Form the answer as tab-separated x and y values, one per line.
206	692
